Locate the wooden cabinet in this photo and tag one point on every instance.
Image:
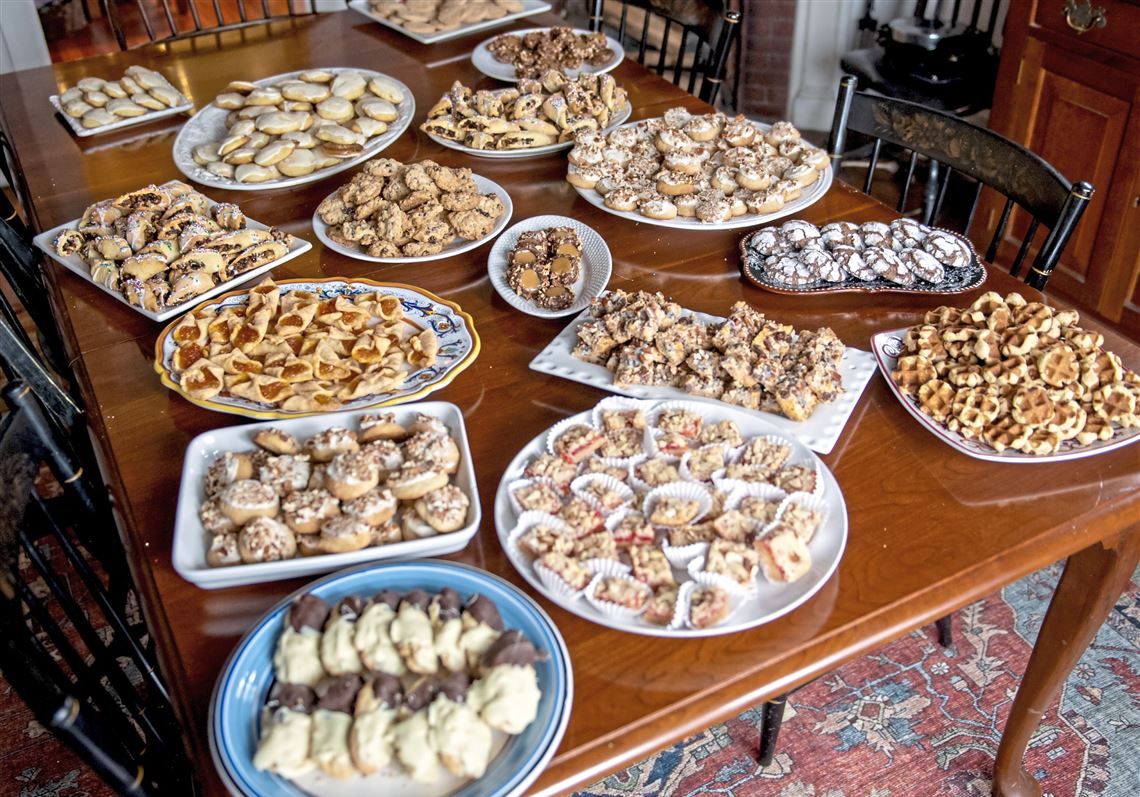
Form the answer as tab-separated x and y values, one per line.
1074	99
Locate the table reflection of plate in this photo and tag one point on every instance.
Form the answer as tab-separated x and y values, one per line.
458	246
491	67
455	329
245	681
530	7
767	601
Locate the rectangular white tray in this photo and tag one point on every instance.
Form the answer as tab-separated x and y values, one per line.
530	7
297	246
83	132
190	539
886	347
819	432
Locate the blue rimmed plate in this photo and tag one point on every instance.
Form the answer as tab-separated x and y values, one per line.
242	688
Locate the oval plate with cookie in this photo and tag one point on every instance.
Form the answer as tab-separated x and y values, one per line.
490	66
441	32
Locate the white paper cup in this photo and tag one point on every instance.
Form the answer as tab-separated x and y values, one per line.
687	491
556	584
609	483
697	573
527	521
615	610
681	555
561	427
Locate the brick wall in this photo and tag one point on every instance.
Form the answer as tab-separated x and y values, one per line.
765	57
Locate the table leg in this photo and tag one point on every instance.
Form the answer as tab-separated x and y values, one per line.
1092	581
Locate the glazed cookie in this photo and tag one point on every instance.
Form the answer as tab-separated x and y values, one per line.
247	499
380	426
305	510
326	445
276	441
351	475
414	527
374	507
344	533
415	479
444	509
386	454
265	539
224	550
432	447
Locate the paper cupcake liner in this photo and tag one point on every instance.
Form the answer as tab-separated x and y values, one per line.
687	475
559	428
769	492
696	570
637	484
773	438
696	407
684	490
684	601
619	403
623	462
606	567
657	452
611	609
681	555
814	464
556	584
807	501
517	483
527	521
578	487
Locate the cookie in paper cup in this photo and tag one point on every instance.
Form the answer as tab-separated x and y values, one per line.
694	408
670	445
618	585
685	606
698	471
697	572
800	477
606	567
589	487
572	444
559	586
772	496
672	505
642	533
621	404
534	495
681	555
770	451
664	608
642	486
796	513
528	521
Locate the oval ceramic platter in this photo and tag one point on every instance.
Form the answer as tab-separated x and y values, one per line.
209	125
811	194
957	280
458	246
489	66
529	7
458	345
762	601
530	152
242	687
597	265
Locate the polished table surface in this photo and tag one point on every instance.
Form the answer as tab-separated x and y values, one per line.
930	529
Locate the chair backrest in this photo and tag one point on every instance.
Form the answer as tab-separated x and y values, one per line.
170	20
64	643
19	361
700	47
989	159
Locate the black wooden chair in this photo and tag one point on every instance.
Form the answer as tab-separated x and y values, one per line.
65	649
976	154
701	49
164	20
20	266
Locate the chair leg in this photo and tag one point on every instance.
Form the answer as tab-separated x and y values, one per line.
945	630
771	717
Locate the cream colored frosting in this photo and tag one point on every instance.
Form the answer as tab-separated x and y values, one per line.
329	743
413	743
297	659
412	634
462	740
338	652
371	739
506	697
284	745
373	642
475	641
447	646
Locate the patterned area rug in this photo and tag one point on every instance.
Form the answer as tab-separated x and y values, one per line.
909	721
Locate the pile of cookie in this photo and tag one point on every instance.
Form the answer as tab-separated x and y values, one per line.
558	48
1018	375
161	246
337	491
709	167
440	16
543	266
798	253
746	359
390	209
535	113
415	678
654	513
298	125
97	103
297	351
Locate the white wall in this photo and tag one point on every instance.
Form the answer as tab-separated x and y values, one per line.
22	44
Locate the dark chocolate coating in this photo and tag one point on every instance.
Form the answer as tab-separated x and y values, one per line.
295	697
387	688
449	603
352	606
308	611
339	693
418	598
421	692
511	648
389	597
484	610
455	685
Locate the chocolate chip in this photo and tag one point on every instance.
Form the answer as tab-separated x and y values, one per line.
295	697
484	610
511	648
339	693
308	611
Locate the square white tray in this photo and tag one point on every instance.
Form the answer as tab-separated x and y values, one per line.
819	432
297	246
887	346
530	7
190	539
130	121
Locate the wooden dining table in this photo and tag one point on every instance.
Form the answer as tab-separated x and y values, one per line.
930	528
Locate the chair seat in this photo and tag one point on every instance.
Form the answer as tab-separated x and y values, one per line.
875	73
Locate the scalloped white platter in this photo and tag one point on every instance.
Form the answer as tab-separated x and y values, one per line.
209	125
486	63
597	265
530	7
820	432
766	602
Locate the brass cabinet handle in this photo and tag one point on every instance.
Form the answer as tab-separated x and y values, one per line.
1084	16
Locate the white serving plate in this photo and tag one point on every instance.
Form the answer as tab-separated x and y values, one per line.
241	690
486	63
519	154
886	347
812	194
150	116
209	125
191	541
457	247
297	247
769	601
820	432
530	7
597	265
458	346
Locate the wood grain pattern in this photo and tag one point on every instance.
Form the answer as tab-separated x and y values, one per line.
930	531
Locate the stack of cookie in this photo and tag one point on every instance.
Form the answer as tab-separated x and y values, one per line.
1018	375
418	679
340	490
96	102
440	16
558	48
798	253
543	266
